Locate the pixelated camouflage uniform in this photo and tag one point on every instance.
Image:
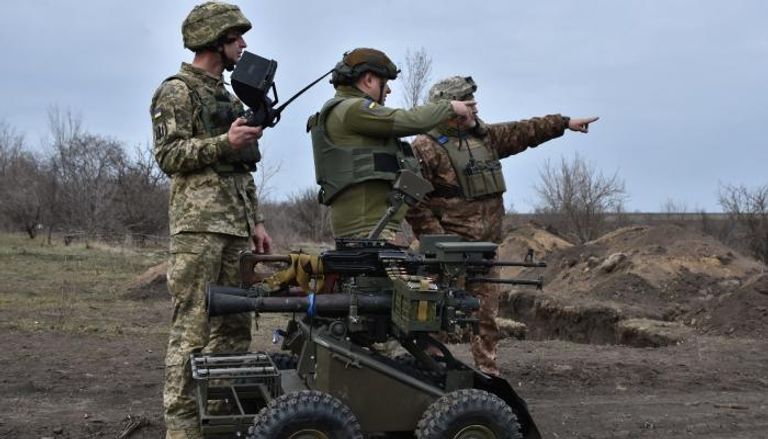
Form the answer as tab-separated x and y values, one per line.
359	122
447	210
213	211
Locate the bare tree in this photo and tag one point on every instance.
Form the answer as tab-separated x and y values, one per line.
87	168
64	125
416	74
748	209
11	145
265	175
21	184
579	195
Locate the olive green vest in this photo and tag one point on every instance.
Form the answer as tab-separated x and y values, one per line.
339	166
479	173
216	113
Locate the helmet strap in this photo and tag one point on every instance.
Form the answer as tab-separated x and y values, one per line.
381	92
228	64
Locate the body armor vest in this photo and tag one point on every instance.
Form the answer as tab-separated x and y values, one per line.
339	166
216	113
477	167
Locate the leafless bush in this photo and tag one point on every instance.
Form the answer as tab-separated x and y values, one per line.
578	197
301	218
748	209
672	208
309	217
83	183
141	201
416	75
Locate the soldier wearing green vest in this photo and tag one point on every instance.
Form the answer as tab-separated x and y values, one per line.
356	146
206	149
462	161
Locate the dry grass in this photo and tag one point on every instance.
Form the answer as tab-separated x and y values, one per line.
72	289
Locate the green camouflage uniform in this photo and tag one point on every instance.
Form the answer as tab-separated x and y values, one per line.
359	121
213	210
447	210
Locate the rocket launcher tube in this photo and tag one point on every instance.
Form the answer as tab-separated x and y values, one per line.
221	302
227	300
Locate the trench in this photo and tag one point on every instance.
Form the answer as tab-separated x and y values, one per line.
548	318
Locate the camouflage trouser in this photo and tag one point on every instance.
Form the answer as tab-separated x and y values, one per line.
473	221
196	259
484	343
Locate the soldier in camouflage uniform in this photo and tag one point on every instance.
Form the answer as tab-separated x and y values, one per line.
355	142
209	153
461	160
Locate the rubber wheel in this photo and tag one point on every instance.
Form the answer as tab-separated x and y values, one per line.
307	414
469	414
284	360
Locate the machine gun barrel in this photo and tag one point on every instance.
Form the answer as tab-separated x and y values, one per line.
368	262
538	283
509	264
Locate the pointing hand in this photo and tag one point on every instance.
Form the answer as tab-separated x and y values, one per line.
581	124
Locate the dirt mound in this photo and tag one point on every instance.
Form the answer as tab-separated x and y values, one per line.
150	285
741	313
676	265
666	274
661	253
528	237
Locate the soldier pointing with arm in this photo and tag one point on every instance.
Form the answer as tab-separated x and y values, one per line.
209	154
461	160
355	142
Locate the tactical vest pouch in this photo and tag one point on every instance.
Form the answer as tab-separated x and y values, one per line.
240	161
478	172
383	162
228	169
246	156
407	159
484	180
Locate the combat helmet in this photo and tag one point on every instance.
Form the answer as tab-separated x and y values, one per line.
361	60
455	88
209	21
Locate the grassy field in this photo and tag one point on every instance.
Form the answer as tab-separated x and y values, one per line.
72	289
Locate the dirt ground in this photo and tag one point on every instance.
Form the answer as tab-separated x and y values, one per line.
708	379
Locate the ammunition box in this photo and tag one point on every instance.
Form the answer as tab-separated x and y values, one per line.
416	303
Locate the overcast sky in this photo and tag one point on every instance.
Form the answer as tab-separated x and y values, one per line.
681	86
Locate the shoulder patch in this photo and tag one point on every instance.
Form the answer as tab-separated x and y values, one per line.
443	139
370	104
